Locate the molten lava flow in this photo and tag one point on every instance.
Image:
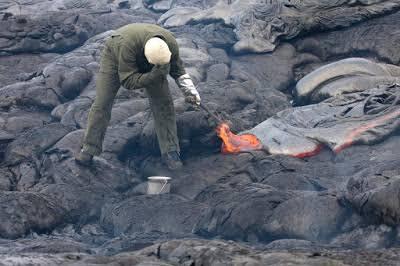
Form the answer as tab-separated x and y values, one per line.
236	143
351	137
310	153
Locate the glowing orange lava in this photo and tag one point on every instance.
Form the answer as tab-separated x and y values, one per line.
311	153
236	143
360	130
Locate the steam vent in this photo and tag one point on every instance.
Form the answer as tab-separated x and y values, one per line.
200	132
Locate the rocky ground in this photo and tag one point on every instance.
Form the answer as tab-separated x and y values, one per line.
250	61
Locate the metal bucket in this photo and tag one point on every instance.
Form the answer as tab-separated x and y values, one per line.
158	185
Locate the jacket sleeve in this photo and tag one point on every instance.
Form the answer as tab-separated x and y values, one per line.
177	69
128	71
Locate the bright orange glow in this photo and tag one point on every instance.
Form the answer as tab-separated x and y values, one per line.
306	154
236	143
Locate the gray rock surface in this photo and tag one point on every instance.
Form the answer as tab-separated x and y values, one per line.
334	79
369	39
58	32
259	26
165	214
370	196
23	212
195	251
332	208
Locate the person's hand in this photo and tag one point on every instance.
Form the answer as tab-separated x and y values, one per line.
155	76
162	70
192	96
185	83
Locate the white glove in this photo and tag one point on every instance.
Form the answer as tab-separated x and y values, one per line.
185	83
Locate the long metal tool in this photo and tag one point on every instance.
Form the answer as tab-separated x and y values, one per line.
214	116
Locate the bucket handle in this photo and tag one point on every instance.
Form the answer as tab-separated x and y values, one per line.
165	183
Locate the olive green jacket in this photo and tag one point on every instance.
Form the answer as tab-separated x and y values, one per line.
132	63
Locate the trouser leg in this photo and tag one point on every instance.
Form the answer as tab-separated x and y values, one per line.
107	85
163	111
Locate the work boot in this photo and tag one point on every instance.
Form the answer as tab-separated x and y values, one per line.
84	158
172	160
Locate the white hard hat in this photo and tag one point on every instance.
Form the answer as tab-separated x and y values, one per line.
157	52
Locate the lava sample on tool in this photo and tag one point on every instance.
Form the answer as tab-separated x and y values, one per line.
232	144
